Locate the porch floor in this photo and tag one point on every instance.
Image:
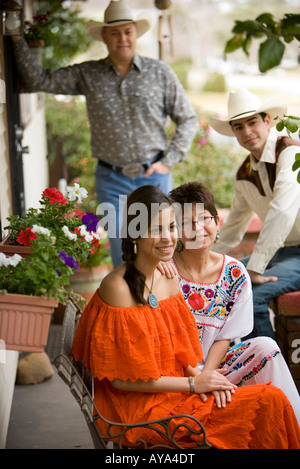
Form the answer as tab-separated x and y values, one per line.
45	415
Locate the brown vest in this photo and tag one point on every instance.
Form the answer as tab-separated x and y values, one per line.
245	172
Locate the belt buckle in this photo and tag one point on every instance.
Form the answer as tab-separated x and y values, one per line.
133	170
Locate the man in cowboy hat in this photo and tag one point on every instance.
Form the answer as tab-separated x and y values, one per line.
128	98
266	185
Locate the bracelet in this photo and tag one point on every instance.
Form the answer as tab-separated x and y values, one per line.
191	384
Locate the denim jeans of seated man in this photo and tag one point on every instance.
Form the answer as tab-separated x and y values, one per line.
110	185
285	265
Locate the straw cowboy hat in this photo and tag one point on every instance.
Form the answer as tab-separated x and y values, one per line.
244	104
116	14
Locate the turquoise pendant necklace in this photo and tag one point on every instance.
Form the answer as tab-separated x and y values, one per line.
152	299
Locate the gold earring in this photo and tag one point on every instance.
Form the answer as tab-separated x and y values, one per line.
134	247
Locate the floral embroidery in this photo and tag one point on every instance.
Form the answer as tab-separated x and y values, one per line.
236	272
185	288
209	293
218	299
196	301
234	353
255	370
229	305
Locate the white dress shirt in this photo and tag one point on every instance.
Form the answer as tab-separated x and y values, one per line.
270	190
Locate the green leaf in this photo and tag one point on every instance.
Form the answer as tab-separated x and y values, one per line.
270	54
267	20
280	126
291	125
288	39
298	177
296	165
248	26
291	25
247	44
234	43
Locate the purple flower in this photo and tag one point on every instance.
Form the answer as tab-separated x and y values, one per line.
209	293
91	221
229	305
68	260
185	288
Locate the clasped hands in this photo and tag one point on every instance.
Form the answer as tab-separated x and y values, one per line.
214	382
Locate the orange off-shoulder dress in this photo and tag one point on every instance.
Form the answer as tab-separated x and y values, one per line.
141	343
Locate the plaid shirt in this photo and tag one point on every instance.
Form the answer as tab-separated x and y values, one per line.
127	115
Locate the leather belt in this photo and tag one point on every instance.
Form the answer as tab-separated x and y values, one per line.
131	169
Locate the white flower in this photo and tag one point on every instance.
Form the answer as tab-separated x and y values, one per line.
83	230
69	234
14	260
40	230
86	234
3	260
6	261
88	237
76	192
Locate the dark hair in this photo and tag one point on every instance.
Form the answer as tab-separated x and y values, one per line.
146	195
262	115
195	192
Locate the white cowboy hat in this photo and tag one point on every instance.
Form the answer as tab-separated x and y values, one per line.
117	13
242	104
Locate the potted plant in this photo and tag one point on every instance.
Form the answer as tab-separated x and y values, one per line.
37	32
59	237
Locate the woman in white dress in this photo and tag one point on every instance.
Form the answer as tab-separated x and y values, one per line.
218	291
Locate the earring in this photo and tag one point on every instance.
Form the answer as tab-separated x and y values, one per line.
134	247
179	246
217	236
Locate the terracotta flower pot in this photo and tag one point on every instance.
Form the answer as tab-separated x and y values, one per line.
25	321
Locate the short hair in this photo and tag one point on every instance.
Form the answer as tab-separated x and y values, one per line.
195	192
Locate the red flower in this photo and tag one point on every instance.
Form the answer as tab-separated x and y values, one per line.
75	213
55	196
196	301
25	237
236	272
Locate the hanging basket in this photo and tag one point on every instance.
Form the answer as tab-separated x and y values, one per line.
25	321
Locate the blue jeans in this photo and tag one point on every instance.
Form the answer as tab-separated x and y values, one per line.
286	266
112	187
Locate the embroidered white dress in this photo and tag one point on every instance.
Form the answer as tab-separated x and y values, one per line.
223	310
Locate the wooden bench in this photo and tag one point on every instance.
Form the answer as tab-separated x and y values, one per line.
287	326
81	383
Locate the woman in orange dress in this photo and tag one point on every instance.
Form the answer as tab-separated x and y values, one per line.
139	340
